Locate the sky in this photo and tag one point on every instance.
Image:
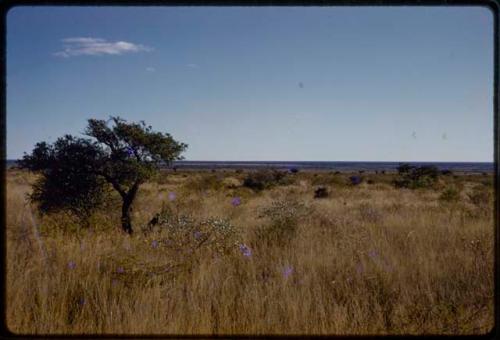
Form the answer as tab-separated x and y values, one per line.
257	84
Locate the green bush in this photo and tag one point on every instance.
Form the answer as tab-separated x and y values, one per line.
413	177
450	195
265	179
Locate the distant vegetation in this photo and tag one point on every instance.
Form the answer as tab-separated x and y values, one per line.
413	177
265	179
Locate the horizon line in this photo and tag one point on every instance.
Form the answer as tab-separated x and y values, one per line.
302	161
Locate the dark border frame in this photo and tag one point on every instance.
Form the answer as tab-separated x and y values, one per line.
5	6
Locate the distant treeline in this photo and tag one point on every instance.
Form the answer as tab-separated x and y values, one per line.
335	166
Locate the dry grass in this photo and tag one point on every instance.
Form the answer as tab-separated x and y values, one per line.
369	259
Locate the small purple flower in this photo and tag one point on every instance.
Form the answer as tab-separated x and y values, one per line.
81	302
130	151
236	201
287	271
172	196
247	252
71	265
355	180
373	254
154	244
120	270
197	234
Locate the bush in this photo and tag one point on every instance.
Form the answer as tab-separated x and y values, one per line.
188	234
450	195
284	216
264	179
321	192
480	197
413	177
68	180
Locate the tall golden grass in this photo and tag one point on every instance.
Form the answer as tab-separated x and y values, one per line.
369	259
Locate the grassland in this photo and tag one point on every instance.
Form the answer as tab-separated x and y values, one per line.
367	259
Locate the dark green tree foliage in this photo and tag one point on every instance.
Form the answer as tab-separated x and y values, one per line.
68	179
75	170
413	177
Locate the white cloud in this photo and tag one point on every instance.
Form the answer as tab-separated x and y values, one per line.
150	69
96	46
192	65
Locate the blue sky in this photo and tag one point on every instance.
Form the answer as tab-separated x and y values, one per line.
236	83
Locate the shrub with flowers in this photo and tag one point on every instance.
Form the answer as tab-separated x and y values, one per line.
188	234
284	216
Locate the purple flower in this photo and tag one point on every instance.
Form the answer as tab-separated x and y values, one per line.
197	234
373	254
247	252
355	180
81	302
71	265
130	151
287	271
172	196
154	244
120	270
236	201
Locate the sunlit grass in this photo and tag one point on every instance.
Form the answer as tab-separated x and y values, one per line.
368	259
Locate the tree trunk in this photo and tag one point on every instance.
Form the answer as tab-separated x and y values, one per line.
126	221
128	198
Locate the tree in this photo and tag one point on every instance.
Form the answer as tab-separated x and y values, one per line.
68	180
75	170
416	177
